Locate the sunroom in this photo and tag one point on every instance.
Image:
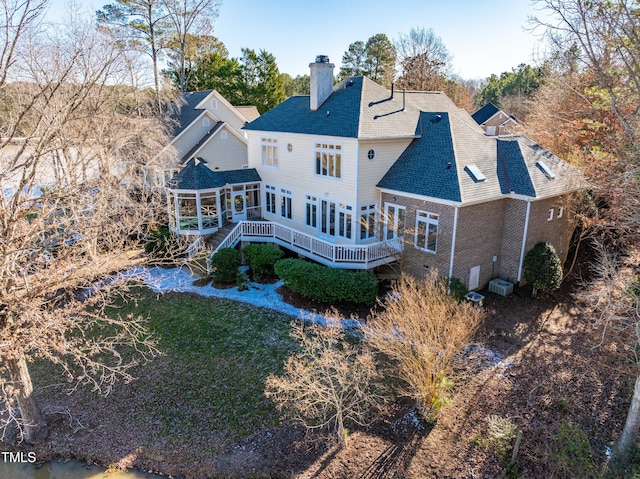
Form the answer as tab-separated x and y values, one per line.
201	200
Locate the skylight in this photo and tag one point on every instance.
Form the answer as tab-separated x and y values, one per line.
546	170
475	173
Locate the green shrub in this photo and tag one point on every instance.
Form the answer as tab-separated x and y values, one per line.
455	286
224	265
261	258
543	268
327	284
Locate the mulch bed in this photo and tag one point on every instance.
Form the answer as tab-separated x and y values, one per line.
344	309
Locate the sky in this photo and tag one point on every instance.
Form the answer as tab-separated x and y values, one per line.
483	37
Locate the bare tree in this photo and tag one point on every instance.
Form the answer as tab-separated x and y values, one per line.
189	17
328	382
422	330
424	60
73	203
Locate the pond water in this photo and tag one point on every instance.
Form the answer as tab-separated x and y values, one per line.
66	470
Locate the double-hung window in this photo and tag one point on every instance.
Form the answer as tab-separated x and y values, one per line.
426	231
270	199
269	151
285	203
328	160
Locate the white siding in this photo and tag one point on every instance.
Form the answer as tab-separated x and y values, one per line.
222	112
229	154
296	172
370	172
191	136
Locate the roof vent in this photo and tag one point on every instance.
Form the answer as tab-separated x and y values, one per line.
350	83
435	118
475	173
546	170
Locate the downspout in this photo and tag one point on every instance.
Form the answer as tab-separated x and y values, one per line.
453	242
524	240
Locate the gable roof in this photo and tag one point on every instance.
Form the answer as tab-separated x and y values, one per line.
197	176
193	105
185	113
482	115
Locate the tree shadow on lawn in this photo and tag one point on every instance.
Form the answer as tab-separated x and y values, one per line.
551	374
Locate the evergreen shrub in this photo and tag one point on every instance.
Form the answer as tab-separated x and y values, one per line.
261	258
224	265
327	284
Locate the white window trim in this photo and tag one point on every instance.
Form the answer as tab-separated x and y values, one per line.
427	218
550	215
560	212
286	207
311	208
270	190
328	149
395	222
363	219
270	146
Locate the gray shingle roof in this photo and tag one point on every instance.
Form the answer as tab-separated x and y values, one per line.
197	176
484	113
427	166
187	156
186	112
360	108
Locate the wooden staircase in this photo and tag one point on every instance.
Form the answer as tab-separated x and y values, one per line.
214	240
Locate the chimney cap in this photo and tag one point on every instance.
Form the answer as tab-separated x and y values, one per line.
322	58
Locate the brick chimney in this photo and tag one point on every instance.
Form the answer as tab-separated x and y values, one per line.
321	81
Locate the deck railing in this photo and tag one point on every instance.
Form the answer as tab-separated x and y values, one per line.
330	254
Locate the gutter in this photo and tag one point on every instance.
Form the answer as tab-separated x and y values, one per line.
453	241
524	240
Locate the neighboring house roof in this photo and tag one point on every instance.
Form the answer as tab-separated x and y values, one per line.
250	112
357	108
485	113
189	154
197	176
186	112
192	107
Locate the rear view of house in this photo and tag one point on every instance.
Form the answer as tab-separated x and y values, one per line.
356	176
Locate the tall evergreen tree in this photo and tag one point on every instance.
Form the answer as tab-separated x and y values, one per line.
262	84
376	59
143	25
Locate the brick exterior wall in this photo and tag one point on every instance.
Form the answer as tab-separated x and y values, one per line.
515	213
486	230
414	261
479	240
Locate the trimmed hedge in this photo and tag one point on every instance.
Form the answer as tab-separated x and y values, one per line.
327	284
261	258
225	264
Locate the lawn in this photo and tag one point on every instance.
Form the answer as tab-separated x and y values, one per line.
201	395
